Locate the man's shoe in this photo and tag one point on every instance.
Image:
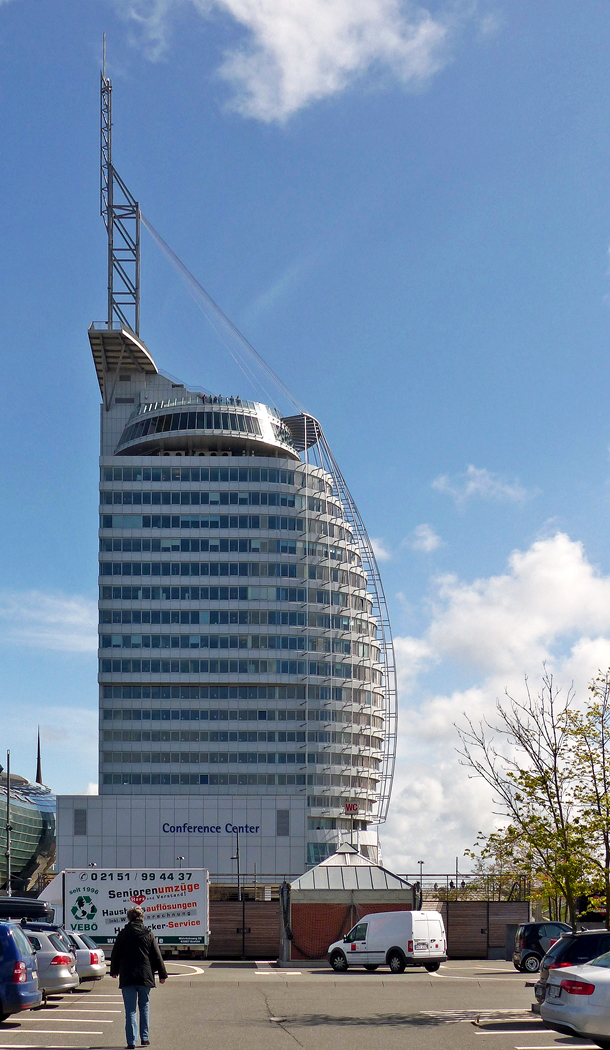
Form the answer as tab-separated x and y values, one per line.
145	1042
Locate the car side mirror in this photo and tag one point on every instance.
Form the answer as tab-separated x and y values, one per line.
346	939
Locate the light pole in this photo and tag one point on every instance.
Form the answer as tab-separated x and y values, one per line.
421	882
9	891
240	897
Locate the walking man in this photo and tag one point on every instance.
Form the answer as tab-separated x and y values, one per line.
135	959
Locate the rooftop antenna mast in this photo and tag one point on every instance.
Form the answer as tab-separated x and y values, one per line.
121	214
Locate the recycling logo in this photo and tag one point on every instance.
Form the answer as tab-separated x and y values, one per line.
83	908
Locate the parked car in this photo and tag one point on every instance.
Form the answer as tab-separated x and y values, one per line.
90	958
532	942
392	938
577	1001
26	908
572	949
55	958
18	972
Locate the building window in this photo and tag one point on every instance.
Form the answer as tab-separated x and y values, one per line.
282	823
80	821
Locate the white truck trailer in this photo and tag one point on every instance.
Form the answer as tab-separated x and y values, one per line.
175	904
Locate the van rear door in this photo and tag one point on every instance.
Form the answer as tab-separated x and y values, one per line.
436	934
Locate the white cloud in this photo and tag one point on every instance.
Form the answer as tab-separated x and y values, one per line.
36	620
382	553
295	52
551	605
423	538
483	484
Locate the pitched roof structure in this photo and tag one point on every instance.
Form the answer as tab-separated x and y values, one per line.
348	875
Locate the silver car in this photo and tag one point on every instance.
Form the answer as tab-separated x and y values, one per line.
90	958
55	960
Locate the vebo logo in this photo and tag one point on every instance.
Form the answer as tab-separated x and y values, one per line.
84	908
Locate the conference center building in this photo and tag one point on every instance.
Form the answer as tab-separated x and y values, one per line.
245	676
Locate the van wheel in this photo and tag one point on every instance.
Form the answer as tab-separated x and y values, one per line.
370	966
396	962
338	962
432	967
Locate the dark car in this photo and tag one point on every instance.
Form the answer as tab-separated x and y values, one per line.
26	908
572	949
18	972
532	942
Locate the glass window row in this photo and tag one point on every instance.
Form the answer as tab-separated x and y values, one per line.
244	736
291	570
275	476
301	758
321	669
224	521
270	594
205	544
235	422
224	692
222	544
213	568
253	617
170	497
313	779
301	642
204	778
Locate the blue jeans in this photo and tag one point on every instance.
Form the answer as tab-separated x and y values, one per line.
136	995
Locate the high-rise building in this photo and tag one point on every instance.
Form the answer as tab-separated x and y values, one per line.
245	665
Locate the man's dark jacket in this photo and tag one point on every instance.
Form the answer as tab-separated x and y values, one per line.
136	956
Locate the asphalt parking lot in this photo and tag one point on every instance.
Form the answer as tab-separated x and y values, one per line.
249	1006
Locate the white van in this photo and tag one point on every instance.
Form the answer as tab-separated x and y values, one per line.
392	938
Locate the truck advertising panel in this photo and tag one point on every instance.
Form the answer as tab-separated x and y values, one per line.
175	903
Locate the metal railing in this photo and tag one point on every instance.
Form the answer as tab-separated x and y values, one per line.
509	886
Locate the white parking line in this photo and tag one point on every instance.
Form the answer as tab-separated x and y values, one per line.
66	1020
59	1031
553	1046
278	973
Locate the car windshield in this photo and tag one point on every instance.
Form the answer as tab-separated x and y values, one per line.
557	949
64	939
603	960
21	941
88	941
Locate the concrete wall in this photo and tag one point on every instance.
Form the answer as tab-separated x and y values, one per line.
133	831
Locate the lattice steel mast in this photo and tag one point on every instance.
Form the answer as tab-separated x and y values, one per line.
121	214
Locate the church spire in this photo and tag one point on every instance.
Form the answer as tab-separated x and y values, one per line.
38	761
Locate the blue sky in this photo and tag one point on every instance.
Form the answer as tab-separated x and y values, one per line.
406	211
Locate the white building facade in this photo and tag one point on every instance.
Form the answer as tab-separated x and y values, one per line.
245	676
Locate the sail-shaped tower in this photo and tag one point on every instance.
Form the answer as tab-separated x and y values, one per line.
246	670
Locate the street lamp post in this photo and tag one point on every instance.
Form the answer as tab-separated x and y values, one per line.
9	891
240	897
421	882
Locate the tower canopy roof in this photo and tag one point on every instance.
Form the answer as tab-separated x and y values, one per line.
118	348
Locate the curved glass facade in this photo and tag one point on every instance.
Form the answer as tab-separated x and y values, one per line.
33	832
232	675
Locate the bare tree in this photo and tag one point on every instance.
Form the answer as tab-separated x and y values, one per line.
591	732
527	760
